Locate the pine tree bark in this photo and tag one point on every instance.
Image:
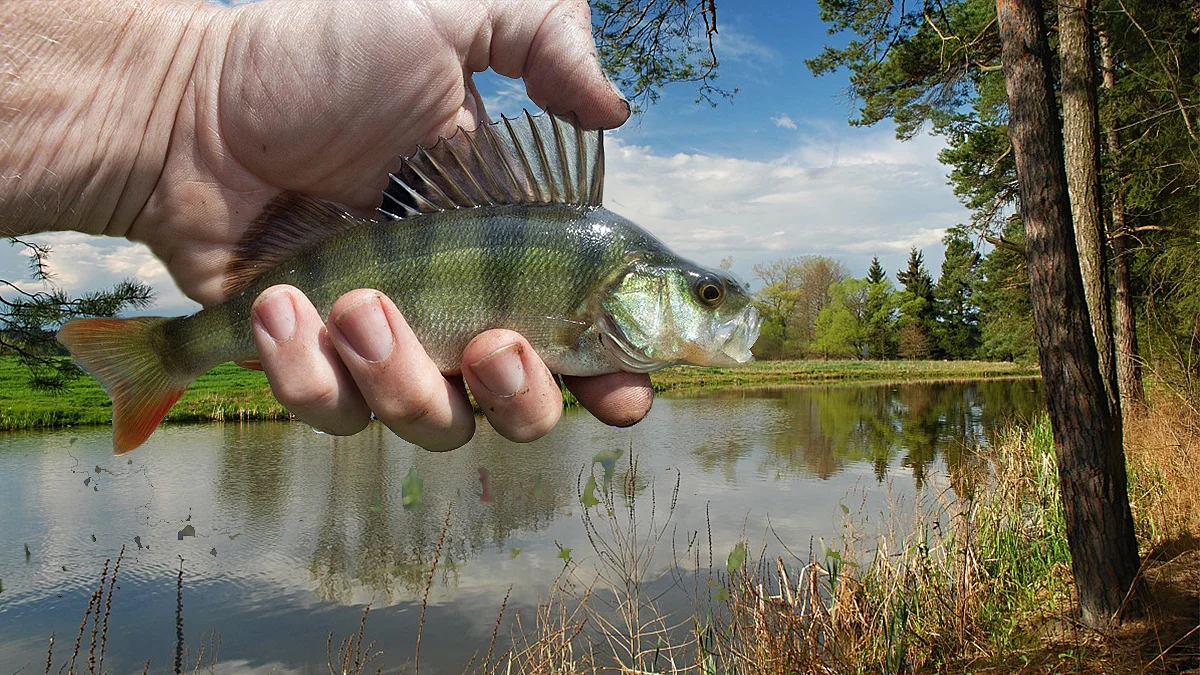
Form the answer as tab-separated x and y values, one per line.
1081	138
1129	364
1087	435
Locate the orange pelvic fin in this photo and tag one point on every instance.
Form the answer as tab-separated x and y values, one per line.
120	354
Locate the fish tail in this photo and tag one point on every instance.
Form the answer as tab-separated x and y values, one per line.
121	354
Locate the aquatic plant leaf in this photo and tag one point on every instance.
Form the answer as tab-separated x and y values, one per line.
514	553
589	493
213	552
737	558
537	483
564	554
410	489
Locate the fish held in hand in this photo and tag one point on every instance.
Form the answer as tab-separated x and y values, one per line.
501	227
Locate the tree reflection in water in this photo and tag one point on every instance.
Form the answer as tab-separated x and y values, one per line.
831	427
366	545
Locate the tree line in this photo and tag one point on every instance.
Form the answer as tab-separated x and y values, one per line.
978	308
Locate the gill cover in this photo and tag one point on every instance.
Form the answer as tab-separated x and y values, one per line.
656	316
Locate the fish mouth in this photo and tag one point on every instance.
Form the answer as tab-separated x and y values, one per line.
735	337
728	345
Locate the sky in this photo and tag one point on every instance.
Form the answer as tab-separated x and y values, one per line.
776	172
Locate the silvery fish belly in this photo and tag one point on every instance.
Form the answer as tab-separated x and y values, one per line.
501	227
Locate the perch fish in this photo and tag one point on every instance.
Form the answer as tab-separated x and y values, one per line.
500	227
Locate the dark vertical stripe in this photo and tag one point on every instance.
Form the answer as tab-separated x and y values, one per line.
416	244
506	240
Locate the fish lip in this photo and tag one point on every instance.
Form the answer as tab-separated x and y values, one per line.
739	334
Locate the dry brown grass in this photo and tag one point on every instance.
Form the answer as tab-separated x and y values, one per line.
1162	447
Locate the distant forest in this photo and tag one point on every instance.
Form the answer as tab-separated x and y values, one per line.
977	308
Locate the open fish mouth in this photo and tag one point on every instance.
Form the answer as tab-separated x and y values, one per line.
736	336
729	344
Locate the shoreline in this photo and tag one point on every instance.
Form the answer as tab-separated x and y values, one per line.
231	393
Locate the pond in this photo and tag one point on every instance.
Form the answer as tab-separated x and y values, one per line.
284	534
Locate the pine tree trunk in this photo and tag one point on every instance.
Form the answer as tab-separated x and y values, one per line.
1087	435
1129	364
1081	137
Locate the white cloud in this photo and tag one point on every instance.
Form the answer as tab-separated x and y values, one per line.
507	98
783	121
737	46
80	262
850	196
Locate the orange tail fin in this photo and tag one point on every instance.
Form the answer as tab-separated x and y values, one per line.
120	354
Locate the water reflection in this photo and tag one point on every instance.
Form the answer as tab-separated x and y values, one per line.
834	426
306	527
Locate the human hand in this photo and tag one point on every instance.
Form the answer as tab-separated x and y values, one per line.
322	97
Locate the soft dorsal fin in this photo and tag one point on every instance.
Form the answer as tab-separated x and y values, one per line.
543	159
288	225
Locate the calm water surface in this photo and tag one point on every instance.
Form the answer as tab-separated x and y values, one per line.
295	532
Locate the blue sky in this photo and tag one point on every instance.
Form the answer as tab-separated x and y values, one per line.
776	172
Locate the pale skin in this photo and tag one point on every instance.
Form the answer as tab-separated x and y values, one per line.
173	123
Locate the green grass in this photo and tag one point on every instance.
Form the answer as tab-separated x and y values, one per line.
225	393
232	393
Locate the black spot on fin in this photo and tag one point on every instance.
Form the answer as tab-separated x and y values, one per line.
543	159
289	224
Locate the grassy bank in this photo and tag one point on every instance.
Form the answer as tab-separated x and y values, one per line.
232	393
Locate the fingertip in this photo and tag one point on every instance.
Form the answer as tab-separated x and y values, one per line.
395	375
512	385
618	399
302	367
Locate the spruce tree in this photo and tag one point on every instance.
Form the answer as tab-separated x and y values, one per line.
918	311
957	328
880	313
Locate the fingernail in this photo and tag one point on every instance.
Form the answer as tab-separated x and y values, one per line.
365	327
502	371
277	315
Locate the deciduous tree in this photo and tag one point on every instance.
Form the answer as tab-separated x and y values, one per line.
843	326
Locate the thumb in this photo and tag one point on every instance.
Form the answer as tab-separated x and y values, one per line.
550	46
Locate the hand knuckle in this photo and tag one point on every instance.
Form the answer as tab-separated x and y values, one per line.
307	394
418	408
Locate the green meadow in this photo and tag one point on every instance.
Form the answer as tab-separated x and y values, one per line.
229	392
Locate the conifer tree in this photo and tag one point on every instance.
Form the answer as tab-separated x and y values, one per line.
880	313
918	311
957	329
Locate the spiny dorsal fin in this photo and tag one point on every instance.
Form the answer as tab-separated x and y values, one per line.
543	159
288	225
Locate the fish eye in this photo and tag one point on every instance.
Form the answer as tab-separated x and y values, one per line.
710	290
